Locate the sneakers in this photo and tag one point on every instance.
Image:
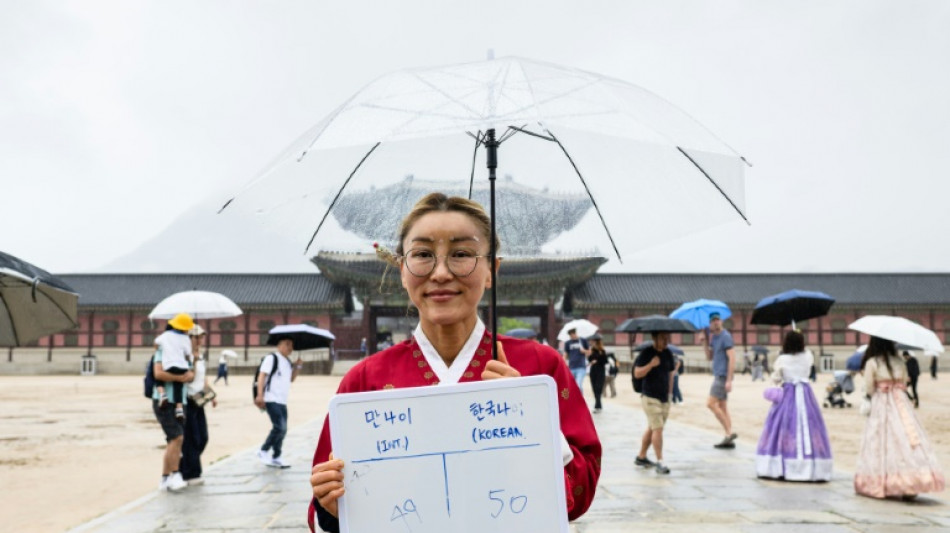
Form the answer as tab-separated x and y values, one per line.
180	412
643	461
264	457
596	410
660	469
277	462
195	481
727	442
174	482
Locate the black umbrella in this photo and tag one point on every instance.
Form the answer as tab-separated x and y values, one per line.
33	302
655	323
305	337
648	344
791	306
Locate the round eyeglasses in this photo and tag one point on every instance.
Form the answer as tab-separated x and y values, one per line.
460	263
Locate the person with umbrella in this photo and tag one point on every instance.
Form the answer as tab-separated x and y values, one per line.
196	422
576	350
441	257
794	444
896	458
655	366
720	350
273	389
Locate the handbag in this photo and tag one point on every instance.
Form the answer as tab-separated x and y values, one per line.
773	394
204	396
865	408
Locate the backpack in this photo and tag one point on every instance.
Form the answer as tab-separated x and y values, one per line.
149	380
258	373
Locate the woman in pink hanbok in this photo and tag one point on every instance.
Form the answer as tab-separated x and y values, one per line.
896	459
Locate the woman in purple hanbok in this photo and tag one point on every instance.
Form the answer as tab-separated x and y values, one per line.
794	443
896	459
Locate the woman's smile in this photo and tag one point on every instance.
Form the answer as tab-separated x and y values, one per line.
441	295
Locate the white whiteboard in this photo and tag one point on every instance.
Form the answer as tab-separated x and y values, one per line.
473	457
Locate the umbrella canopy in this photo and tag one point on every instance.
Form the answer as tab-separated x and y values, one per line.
697	312
760	350
655	323
33	302
647	344
198	304
587	144
229	353
570	133
898	329
791	306
585	328
305	337
522	333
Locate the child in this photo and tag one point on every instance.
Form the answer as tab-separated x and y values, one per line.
176	352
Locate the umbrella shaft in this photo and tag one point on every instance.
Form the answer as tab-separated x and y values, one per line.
491	148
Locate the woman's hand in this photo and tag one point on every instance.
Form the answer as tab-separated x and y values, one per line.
499	368
327	482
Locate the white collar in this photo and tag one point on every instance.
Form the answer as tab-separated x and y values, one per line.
450	375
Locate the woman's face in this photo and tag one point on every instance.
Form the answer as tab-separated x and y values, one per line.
442	297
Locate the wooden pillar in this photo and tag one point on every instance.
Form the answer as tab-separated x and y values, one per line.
49	349
247	333
208	337
551	332
128	339
92	317
372	345
745	330
368	333
821	336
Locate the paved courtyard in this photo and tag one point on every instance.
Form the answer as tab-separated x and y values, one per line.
708	490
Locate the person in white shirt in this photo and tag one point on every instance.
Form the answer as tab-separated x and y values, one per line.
176	356
272	395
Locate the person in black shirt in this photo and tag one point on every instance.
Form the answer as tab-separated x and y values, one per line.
655	366
913	372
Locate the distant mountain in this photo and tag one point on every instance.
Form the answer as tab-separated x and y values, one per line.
200	240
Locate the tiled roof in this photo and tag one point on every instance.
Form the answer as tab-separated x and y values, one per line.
256	290
747	289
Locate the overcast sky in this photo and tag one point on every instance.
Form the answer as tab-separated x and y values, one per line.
118	119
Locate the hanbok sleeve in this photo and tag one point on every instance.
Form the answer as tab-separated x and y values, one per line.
582	473
776	376
870	378
317	515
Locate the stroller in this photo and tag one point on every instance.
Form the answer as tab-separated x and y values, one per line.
843	384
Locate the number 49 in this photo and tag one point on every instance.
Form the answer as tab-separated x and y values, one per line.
515	503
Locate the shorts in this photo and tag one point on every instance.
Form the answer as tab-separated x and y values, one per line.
165	414
718	389
657	412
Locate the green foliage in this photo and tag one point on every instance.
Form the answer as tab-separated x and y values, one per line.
505	324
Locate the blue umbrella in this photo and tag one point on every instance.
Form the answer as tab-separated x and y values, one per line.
697	312
791	306
521	333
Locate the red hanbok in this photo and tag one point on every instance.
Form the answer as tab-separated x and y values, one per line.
403	365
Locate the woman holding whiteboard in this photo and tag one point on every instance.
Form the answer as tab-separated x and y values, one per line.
443	263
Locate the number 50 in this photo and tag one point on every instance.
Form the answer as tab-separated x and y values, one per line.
515	503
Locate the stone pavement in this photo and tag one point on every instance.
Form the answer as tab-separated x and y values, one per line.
708	490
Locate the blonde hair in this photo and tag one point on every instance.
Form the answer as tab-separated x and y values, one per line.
438	202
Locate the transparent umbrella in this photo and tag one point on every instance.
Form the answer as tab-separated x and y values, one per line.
579	154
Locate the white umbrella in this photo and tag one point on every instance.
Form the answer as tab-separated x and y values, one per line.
585	328
229	353
198	304
898	329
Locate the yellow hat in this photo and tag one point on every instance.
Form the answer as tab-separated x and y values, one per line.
182	322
